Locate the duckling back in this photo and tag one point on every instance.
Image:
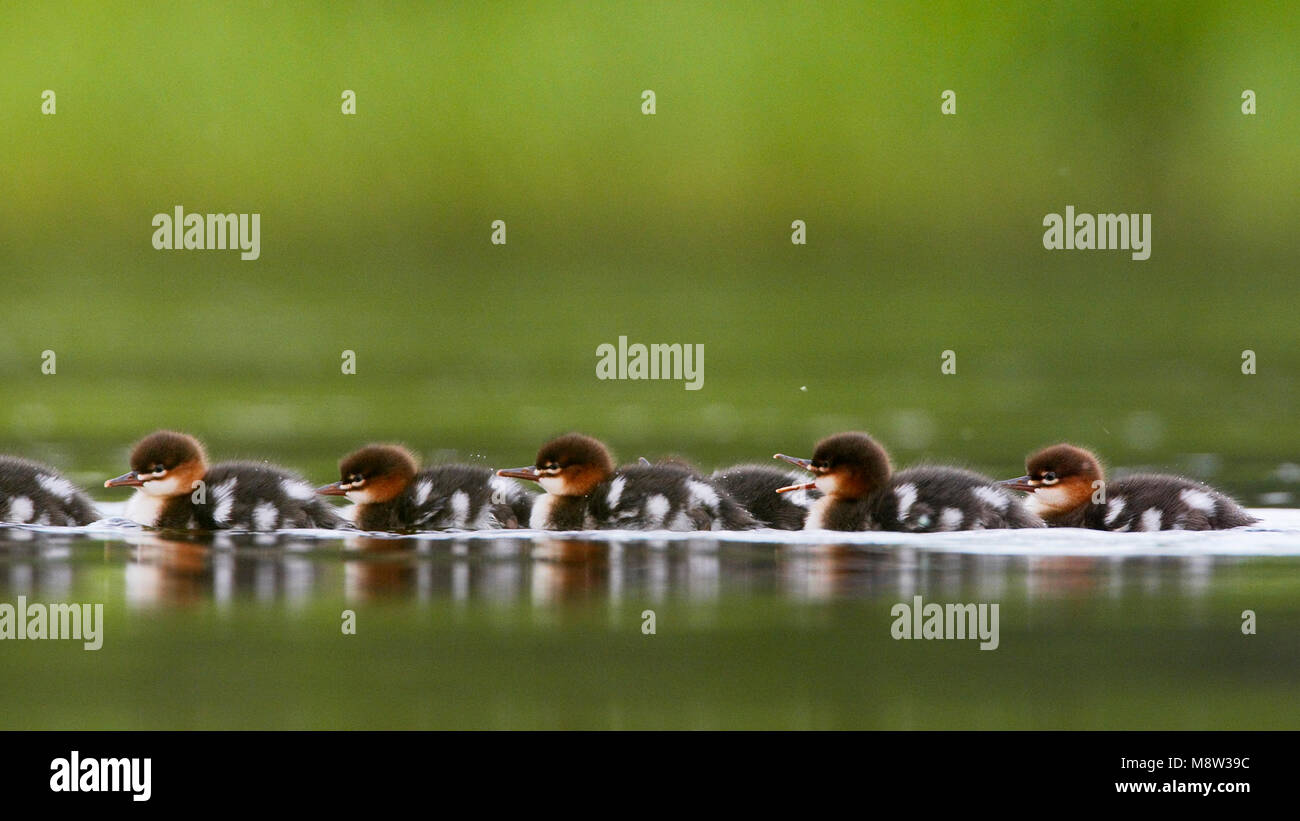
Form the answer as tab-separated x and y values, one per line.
32	493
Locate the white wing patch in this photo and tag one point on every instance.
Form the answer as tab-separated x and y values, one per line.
21	509
616	491
265	516
1198	500
702	494
906	496
56	486
992	497
950	519
1113	509
1150	519
297	490
800	498
656	508
459	508
223	496
422	491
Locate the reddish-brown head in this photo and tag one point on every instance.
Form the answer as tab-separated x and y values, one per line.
373	474
846	466
164	463
571	465
1060	478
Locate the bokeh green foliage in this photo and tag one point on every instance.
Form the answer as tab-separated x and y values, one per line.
924	230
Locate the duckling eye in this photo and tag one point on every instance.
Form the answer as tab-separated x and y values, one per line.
356	479
1048	478
159	468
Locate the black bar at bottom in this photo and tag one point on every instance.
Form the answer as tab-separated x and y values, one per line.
243	770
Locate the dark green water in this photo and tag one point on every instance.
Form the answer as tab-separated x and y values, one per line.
515	634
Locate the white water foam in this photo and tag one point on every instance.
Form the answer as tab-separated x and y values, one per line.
1277	534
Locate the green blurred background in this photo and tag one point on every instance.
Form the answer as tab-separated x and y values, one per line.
924	231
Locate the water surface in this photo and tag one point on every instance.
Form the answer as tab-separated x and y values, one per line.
765	630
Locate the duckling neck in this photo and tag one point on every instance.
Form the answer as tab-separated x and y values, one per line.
836	513
1058	516
552	512
145	508
374	515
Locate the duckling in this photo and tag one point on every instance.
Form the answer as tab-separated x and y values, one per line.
863	492
755	487
178	490
1068	488
32	493
584	491
391	493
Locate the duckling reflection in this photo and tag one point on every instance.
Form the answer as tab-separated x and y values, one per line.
385	574
33	573
829	571
165	570
568	570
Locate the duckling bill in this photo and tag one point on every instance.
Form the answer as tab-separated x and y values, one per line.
176	488
863	492
392	494
1067	487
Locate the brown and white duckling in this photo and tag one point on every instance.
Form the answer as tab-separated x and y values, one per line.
1068	488
391	493
584	491
177	489
863	492
32	493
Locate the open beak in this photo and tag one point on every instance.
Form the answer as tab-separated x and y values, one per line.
527	473
131	479
806	464
1021	483
804	486
335	489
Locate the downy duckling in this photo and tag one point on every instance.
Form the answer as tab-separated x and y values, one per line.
177	489
863	492
391	493
584	491
1068	488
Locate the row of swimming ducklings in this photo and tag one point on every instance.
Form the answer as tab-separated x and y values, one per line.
848	485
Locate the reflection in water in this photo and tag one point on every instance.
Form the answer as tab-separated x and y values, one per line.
169	572
183	570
